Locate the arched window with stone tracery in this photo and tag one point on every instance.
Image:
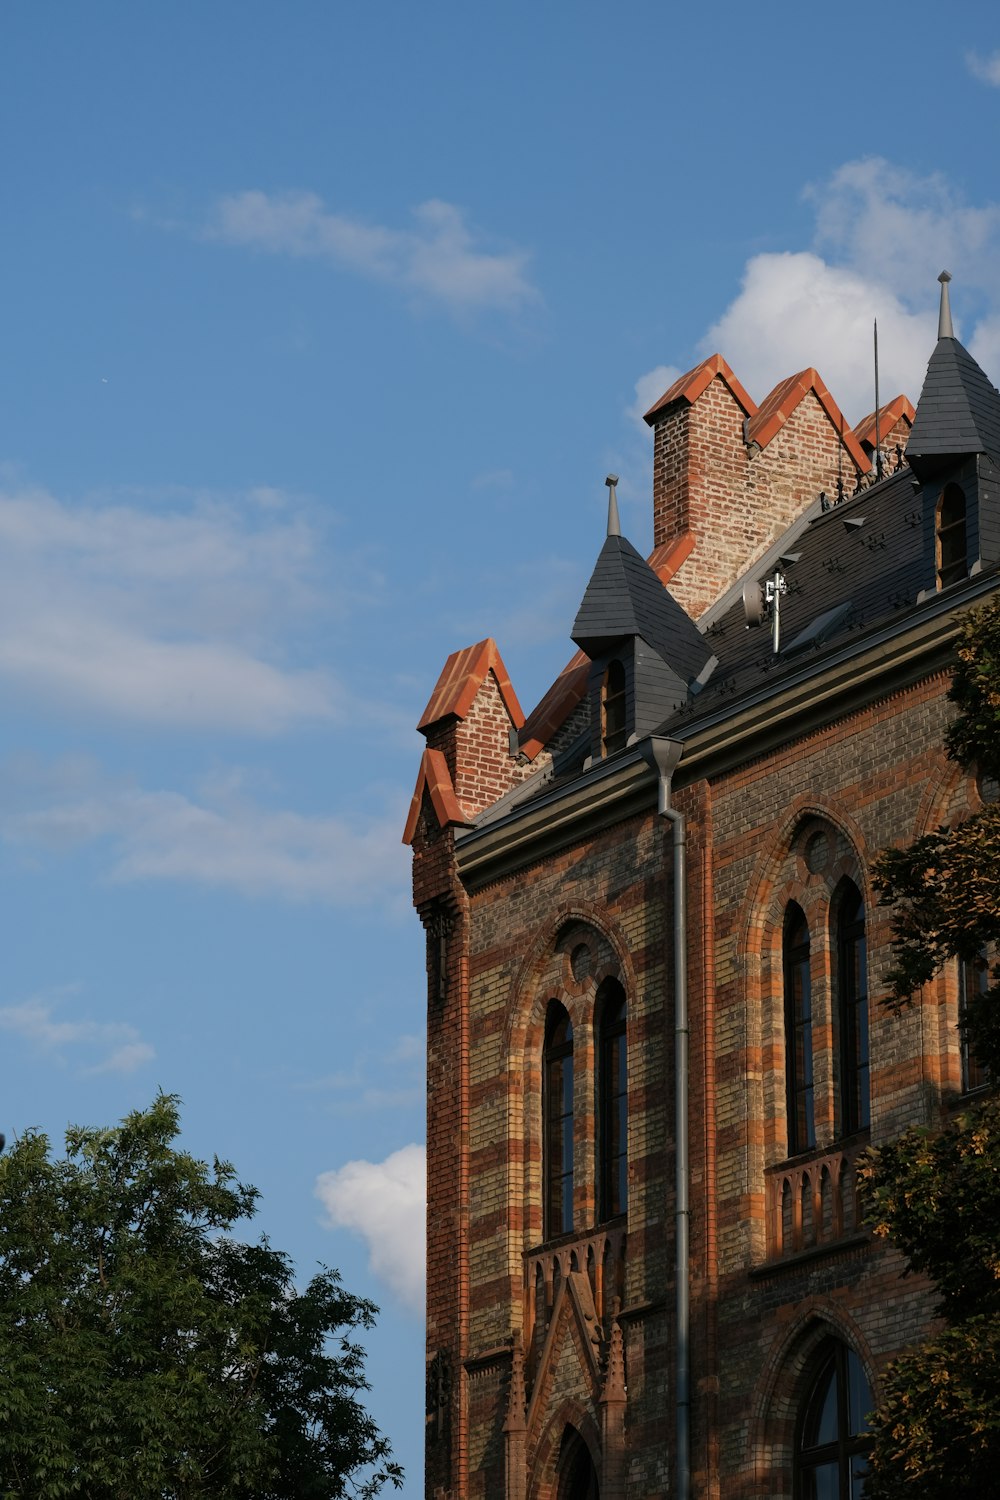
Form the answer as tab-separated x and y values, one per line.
832	1442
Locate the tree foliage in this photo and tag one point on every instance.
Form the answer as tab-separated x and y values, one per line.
147	1355
937	1194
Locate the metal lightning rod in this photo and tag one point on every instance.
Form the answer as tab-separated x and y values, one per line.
878	422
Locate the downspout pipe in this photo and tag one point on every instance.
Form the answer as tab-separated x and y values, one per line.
664	755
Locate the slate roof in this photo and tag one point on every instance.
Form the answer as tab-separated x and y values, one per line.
625	598
848	579
959	409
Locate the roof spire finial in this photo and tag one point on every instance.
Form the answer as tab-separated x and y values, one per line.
945	330
614	525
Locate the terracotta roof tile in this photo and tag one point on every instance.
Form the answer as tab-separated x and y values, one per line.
779	405
667	558
692	385
461	678
556	706
888	415
434	779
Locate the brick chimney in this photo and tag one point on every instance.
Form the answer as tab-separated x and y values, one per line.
730	476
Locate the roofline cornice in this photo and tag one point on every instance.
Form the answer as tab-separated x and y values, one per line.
848	679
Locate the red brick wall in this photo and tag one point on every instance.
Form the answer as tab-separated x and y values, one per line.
877	777
735	500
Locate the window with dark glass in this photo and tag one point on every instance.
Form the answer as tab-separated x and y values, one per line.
612	1100
832	1439
852	1010
558	1111
973	979
952	558
613	709
798	1032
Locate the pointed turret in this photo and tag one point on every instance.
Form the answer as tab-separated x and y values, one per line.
631	627
625	599
958	413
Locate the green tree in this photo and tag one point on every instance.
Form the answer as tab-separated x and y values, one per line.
937	1193
147	1355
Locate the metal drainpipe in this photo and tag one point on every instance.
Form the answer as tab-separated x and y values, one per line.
665	754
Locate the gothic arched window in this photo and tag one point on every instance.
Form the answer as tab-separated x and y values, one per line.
798	1032
952	557
557	1104
852	1009
832	1439
612	1099
613	726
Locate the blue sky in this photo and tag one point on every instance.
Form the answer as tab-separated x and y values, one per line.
321	327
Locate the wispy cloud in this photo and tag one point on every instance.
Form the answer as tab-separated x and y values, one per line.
440	259
223	840
112	1046
384	1202
986	69
400	1071
179	610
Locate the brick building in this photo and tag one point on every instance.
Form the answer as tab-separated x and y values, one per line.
651	939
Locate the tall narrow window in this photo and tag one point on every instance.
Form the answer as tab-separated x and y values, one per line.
973	979
558	1107
832	1439
952	557
798	1033
612	1099
852	1010
613	709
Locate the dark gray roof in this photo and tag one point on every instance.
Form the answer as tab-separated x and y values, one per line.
958	411
624	599
848	579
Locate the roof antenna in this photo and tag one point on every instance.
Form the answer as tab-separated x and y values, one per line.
878	416
945	330
614	525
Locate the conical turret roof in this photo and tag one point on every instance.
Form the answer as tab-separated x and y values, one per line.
624	599
959	408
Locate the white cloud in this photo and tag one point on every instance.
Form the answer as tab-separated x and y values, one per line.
987	69
118	1045
384	1202
898	229
882	234
441	258
649	388
794	310
225	840
174	612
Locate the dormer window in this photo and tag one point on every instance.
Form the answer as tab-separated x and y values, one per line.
613	733
952	560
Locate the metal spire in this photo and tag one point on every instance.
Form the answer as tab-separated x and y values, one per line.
945	330
614	525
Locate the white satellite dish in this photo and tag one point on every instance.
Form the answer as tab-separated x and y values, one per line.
753	602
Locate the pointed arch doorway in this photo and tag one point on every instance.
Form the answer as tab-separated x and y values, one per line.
577	1477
